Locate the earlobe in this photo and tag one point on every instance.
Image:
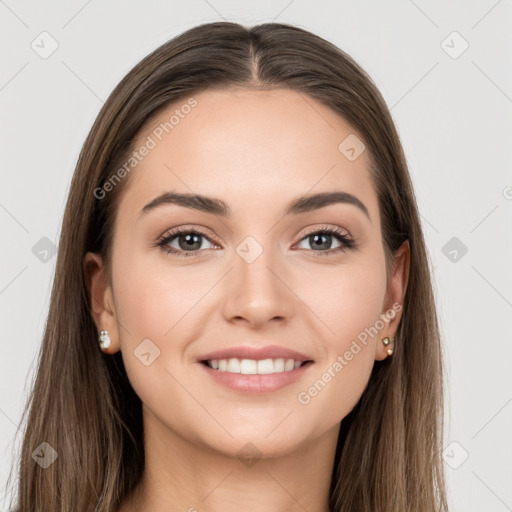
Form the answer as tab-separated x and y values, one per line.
100	298
386	348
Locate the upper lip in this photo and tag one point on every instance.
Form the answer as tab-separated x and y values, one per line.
257	353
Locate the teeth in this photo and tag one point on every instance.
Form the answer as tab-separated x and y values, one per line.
279	365
233	366
253	367
289	365
264	366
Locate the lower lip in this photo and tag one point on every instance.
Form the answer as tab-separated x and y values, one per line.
256	383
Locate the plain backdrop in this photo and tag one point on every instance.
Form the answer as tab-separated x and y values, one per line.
443	68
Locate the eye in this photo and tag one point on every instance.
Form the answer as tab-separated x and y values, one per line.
322	239
187	239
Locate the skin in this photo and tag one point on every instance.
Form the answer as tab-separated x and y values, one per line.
256	150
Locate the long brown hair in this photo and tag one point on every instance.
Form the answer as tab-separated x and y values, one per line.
388	456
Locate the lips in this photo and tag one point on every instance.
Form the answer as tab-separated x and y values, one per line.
255	370
256	353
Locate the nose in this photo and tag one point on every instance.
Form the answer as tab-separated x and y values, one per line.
257	292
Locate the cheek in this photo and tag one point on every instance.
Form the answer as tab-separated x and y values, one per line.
159	307
154	305
350	306
334	390
347	301
154	299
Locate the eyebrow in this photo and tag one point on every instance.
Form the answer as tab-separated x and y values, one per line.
218	207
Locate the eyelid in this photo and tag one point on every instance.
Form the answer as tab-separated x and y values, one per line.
173	232
326	227
203	232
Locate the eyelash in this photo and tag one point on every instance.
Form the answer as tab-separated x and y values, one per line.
346	241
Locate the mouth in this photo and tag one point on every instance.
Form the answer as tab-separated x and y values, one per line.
255	376
255	369
255	366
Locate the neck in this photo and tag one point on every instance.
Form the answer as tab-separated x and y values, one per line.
184	476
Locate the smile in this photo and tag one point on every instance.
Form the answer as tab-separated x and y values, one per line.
251	376
253	366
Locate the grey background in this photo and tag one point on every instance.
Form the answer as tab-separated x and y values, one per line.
453	113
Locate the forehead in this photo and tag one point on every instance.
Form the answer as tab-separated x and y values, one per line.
252	148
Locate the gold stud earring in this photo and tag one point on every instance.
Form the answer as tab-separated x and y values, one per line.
104	340
386	342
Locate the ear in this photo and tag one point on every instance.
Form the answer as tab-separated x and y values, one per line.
395	296
101	299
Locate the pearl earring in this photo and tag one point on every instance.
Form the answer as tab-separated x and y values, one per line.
104	340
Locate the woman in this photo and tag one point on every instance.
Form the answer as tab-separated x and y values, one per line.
242	316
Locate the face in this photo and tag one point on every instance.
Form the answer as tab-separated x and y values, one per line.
258	277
